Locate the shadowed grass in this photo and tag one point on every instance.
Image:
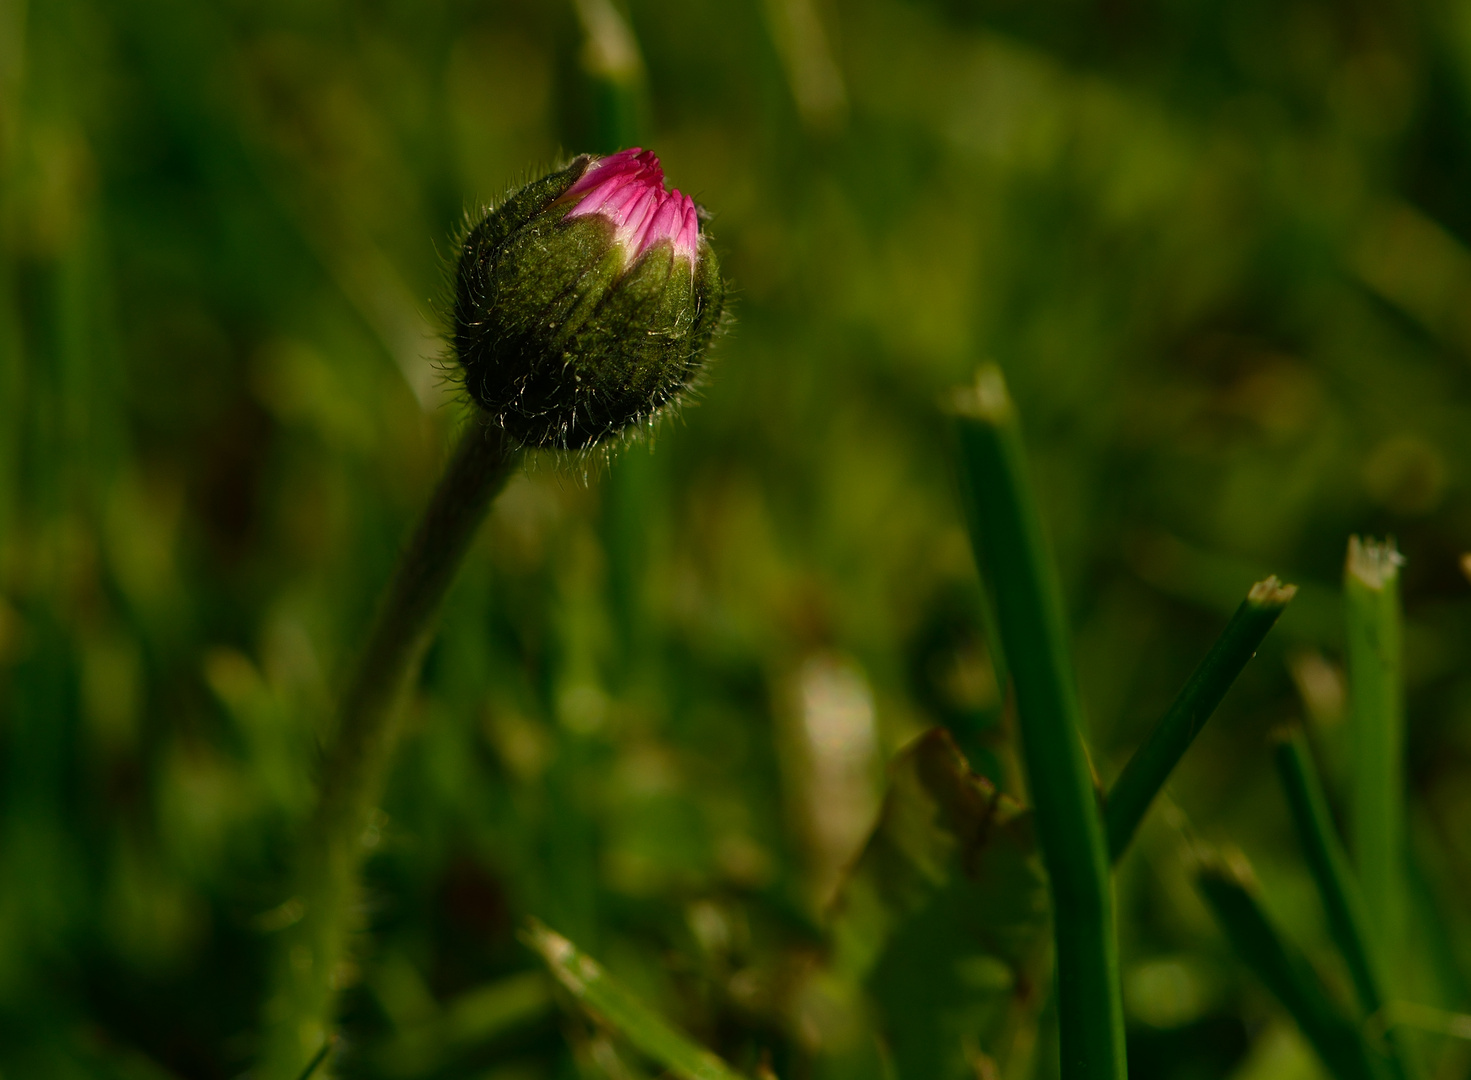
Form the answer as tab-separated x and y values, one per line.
1227	888
1348	917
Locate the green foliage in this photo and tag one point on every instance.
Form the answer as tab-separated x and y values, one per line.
944	918
1220	250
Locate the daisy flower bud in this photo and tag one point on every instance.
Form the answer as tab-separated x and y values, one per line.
585	303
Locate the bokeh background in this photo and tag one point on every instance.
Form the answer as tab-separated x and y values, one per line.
1220	250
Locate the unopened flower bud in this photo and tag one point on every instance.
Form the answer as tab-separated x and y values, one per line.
585	302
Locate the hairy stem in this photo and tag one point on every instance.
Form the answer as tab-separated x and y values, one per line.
1152	763
312	962
1014	561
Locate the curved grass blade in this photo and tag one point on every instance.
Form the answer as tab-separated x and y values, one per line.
613	1006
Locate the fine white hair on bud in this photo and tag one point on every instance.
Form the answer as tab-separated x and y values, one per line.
585	302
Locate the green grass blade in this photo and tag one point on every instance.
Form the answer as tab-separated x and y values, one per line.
1376	700
582	977
615	71
1284	971
1013	558
1348	919
1130	798
316	1062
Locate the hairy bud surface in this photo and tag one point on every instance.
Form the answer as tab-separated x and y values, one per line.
585	303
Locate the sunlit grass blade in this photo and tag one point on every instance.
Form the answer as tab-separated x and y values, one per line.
1376	702
1284	971
1133	792
1014	561
582	977
1425	1018
1348	920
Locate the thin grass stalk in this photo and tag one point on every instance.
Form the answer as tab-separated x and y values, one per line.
312	960
1376	700
1145	774
1015	563
1226	887
1348	918
316	1062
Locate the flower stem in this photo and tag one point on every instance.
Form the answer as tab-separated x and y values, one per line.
1348	920
1013	558
312	963
1152	763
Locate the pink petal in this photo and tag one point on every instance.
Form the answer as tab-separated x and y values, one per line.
619	204
622	163
627	188
633	217
600	196
687	244
650	161
662	225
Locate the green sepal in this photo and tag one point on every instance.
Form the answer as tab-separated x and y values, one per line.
563	340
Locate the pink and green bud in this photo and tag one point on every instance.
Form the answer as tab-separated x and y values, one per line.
585	303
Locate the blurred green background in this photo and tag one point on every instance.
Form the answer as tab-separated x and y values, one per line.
1220	250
